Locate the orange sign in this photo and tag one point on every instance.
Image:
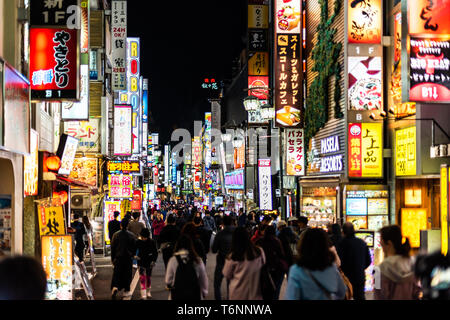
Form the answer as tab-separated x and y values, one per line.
30	169
428	17
413	220
258	64
364	21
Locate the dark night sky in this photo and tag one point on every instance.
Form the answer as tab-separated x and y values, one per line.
183	42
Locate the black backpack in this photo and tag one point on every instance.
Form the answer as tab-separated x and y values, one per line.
186	286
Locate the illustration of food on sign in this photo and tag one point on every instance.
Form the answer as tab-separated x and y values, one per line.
288	17
288	116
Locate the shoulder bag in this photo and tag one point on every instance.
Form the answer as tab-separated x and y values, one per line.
328	294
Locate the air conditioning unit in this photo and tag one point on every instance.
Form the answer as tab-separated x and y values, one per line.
80	201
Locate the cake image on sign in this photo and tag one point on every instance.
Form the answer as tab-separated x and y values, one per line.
288	116
288	16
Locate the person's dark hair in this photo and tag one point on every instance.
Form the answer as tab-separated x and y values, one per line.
302	219
314	250
145	233
86	222
348	229
198	220
241	246
335	233
185	242
116	214
128	215
227	220
269	231
267	219
171	219
22	278
136	214
124	223
394	234
76	216
189	229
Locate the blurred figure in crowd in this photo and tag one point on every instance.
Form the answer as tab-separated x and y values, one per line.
113	225
168	238
147	253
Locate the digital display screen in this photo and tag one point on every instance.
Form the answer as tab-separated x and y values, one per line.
356	206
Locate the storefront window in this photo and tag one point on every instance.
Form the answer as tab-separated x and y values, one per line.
319	205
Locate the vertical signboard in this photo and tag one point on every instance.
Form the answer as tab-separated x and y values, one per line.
118	44
84	36
365	150
364	21
265	184
54	63
16	110
88	133
122	130
207	138
133	84
78	110
166	165
120	186
295	152
288	64
31	166
405	152
445	182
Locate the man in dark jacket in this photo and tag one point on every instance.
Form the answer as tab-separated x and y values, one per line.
242	219
168	237
123	249
355	258
79	232
113	225
203	234
222	246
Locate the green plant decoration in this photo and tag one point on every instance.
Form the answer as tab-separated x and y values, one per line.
325	55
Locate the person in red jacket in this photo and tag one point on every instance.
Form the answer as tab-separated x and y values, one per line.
157	225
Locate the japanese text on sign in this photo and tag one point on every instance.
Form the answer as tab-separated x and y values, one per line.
295	153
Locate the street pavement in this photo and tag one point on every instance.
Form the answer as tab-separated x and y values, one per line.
101	283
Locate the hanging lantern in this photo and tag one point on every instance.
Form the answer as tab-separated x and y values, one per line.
53	163
62	195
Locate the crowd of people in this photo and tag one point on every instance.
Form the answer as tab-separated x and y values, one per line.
255	253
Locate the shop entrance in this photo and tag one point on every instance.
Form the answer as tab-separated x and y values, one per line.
6	205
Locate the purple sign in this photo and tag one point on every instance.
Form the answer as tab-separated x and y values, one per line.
234	180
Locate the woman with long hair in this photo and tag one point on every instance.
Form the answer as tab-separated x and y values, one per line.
397	269
186	273
191	230
243	266
315	275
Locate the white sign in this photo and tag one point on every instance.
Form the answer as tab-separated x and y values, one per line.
134	91
78	110
295	152
68	156
265	184
87	131
166	165
118	43
122	130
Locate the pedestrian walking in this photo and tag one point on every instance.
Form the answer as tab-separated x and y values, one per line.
302	224
186	273
89	235
80	231
147	253
287	238
222	246
242	218
398	281
208	222
251	224
275	258
190	230
123	249
135	225
243	267
157	226
355	258
113	225
168	238
259	233
314	276
203	234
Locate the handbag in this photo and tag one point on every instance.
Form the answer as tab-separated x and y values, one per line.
348	285
267	284
328	294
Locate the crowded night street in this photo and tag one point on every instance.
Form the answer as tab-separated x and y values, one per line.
225	158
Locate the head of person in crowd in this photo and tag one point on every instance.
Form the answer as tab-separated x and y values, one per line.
116	214
391	242
241	211
335	232
185	243
266	220
136	215
314	250
198	214
124	223
228	221
145	234
76	217
348	230
281	225
269	232
128	215
241	246
302	222
190	229
171	219
262	229
22	278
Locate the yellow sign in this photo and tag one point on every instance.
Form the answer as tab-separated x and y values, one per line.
405	152
258	64
445	179
413	220
372	150
258	16
51	221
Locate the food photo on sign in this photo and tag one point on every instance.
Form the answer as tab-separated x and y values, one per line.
288	14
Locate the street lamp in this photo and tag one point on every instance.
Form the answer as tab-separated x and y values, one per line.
251	103
226	137
237	142
267	112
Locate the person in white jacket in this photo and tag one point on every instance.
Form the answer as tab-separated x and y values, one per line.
184	252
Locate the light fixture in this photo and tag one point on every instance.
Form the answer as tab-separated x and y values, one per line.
267	112
251	103
372	116
237	142
392	110
226	137
383	114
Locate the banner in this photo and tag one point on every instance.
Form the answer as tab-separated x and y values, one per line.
88	133
133	88
110	207
122	130
265	184
120	186
365	21
31	166
405	152
51	220
428	17
118	43
125	166
295	152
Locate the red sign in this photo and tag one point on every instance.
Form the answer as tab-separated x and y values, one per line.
53	63
261	85
136	203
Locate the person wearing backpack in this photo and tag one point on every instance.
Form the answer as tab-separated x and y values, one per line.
168	237
147	253
315	275
186	273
